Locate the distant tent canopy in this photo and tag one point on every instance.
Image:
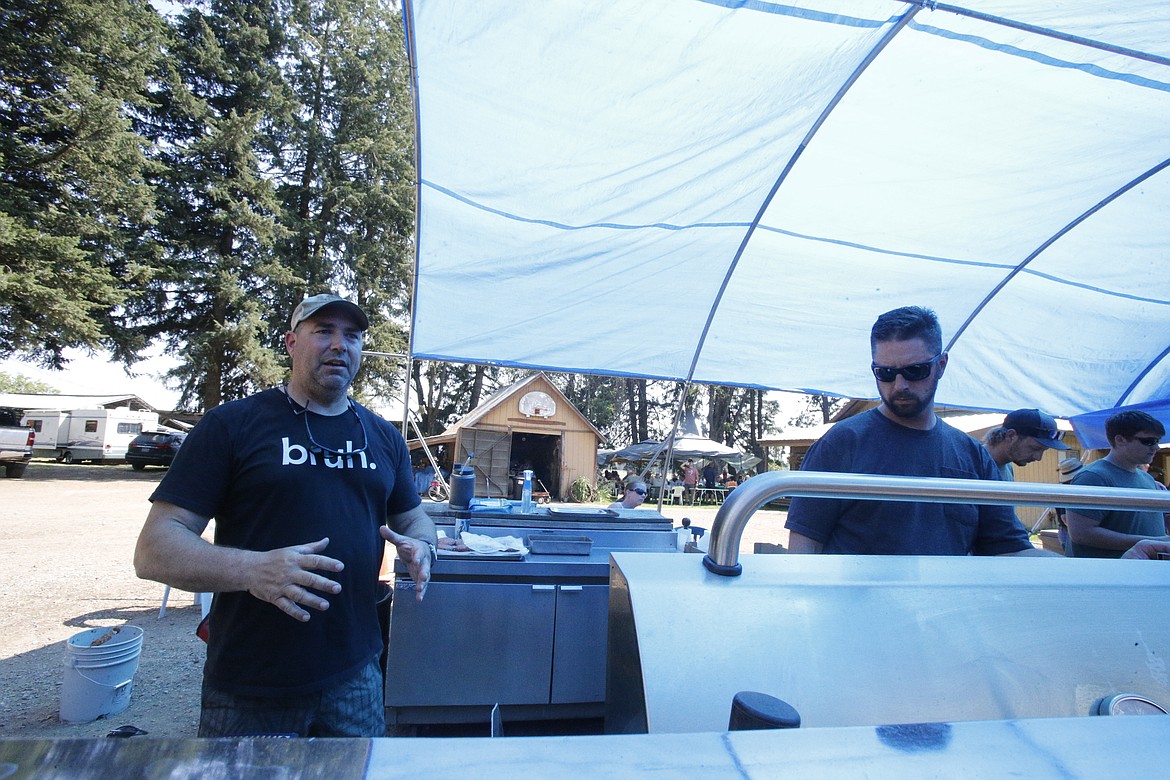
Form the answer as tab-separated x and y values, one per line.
686	447
731	192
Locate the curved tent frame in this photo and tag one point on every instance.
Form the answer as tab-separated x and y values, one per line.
730	191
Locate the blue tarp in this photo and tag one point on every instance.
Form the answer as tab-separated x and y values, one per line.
1090	427
733	191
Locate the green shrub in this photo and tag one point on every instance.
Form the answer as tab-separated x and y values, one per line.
582	491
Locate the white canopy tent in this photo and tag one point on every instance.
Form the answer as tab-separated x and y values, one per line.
732	190
685	446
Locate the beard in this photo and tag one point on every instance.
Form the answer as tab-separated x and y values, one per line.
907	405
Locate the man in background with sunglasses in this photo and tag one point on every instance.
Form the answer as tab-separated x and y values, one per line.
903	437
306	486
1107	533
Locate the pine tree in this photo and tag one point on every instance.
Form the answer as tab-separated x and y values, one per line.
213	298
347	191
74	200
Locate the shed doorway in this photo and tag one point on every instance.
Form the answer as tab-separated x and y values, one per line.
541	453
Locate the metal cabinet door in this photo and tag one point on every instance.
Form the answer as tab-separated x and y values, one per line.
582	628
471	643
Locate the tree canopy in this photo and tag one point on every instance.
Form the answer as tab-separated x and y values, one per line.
75	203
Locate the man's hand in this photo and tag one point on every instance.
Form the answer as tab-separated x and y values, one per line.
285	576
416	554
1148	549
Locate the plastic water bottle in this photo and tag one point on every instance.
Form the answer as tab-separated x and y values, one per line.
526	494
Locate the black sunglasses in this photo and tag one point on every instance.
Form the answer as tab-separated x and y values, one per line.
639	491
321	449
915	372
1149	441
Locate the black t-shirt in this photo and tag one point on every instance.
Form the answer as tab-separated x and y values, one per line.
248	465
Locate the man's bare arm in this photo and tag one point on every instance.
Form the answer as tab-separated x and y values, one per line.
1086	531
171	550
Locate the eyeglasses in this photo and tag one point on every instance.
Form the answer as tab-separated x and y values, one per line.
1149	441
639	491
320	449
915	372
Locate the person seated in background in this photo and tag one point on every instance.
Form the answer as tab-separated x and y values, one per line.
635	494
424	473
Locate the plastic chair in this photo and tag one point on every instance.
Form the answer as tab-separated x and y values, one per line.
675	496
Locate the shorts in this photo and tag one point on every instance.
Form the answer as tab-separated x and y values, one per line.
353	708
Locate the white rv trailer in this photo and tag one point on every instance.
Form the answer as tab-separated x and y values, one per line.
87	434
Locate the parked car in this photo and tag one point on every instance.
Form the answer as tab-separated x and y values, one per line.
16	443
156	448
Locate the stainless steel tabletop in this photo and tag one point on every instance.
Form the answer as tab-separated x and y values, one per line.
1097	747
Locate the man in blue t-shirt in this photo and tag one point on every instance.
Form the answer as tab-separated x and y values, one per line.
305	486
903	437
1107	533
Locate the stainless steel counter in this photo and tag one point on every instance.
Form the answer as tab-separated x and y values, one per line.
564	517
1058	748
527	634
870	640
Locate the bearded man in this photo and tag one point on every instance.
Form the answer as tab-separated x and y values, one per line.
903	437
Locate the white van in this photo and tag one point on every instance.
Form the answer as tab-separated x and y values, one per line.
86	434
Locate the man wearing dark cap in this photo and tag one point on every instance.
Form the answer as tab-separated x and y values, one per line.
1022	439
305	486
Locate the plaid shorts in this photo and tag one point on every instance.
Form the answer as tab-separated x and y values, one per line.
353	708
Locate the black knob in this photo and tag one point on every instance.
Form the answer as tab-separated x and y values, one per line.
751	710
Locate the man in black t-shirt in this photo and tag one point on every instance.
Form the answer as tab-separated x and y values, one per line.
305	486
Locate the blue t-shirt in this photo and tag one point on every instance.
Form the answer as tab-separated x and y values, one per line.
869	443
248	465
1102	473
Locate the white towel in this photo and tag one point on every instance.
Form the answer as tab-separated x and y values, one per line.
489	544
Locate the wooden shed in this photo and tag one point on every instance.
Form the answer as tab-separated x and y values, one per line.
529	424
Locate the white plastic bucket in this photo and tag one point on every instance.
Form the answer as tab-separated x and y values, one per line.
99	679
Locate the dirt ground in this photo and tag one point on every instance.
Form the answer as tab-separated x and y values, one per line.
68	539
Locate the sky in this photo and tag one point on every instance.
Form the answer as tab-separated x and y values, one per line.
97	375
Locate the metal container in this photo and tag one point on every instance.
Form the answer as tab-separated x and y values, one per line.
559	544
